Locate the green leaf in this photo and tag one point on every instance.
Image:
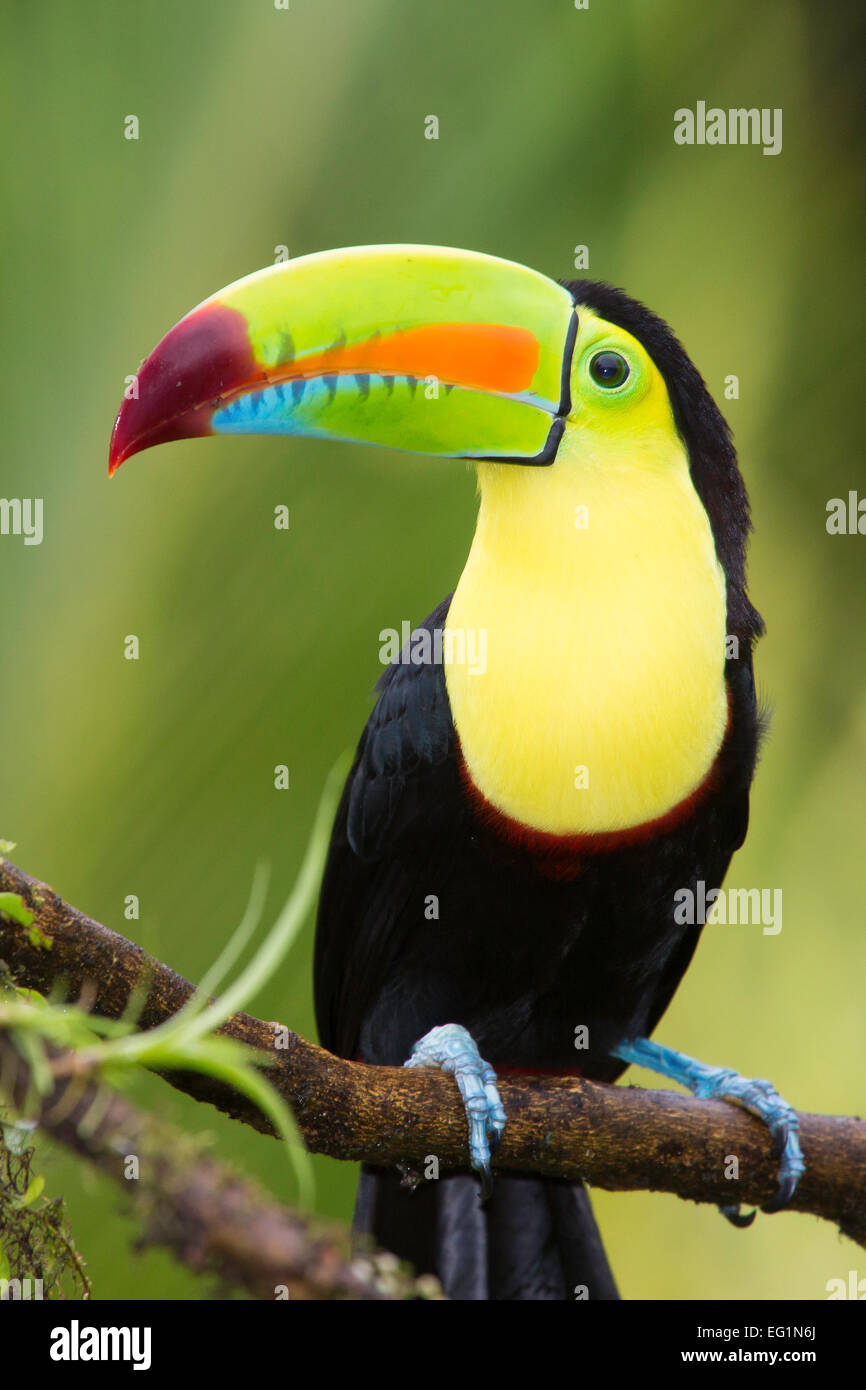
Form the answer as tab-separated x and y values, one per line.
33	1192
12	905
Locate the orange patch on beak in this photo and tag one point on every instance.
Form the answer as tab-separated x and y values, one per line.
481	356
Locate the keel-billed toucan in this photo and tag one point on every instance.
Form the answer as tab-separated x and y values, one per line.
514	832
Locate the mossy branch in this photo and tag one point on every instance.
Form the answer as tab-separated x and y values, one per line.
619	1138
213	1220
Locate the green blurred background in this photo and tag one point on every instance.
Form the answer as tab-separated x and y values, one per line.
305	127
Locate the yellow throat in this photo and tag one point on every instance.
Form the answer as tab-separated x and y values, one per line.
594	606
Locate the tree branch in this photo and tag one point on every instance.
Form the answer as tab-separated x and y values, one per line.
615	1137
213	1220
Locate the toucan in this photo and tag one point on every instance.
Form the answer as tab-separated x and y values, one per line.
561	750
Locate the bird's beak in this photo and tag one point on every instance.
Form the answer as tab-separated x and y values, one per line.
419	347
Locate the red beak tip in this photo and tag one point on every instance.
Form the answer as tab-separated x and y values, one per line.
116	456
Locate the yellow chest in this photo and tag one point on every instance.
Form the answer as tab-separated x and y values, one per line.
594	608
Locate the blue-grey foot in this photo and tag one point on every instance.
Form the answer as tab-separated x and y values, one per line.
724	1084
451	1048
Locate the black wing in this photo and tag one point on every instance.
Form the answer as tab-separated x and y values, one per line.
725	821
403	786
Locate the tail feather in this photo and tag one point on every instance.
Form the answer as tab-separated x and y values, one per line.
535	1239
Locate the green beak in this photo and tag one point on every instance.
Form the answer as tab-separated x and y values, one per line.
423	348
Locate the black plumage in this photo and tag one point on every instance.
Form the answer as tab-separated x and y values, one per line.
531	939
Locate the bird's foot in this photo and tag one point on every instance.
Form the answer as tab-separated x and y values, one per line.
451	1048
722	1083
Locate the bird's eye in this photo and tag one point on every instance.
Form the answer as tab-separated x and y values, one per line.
608	369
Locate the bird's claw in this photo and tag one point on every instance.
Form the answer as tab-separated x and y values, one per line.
791	1169
737	1218
754	1094
761	1099
451	1048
